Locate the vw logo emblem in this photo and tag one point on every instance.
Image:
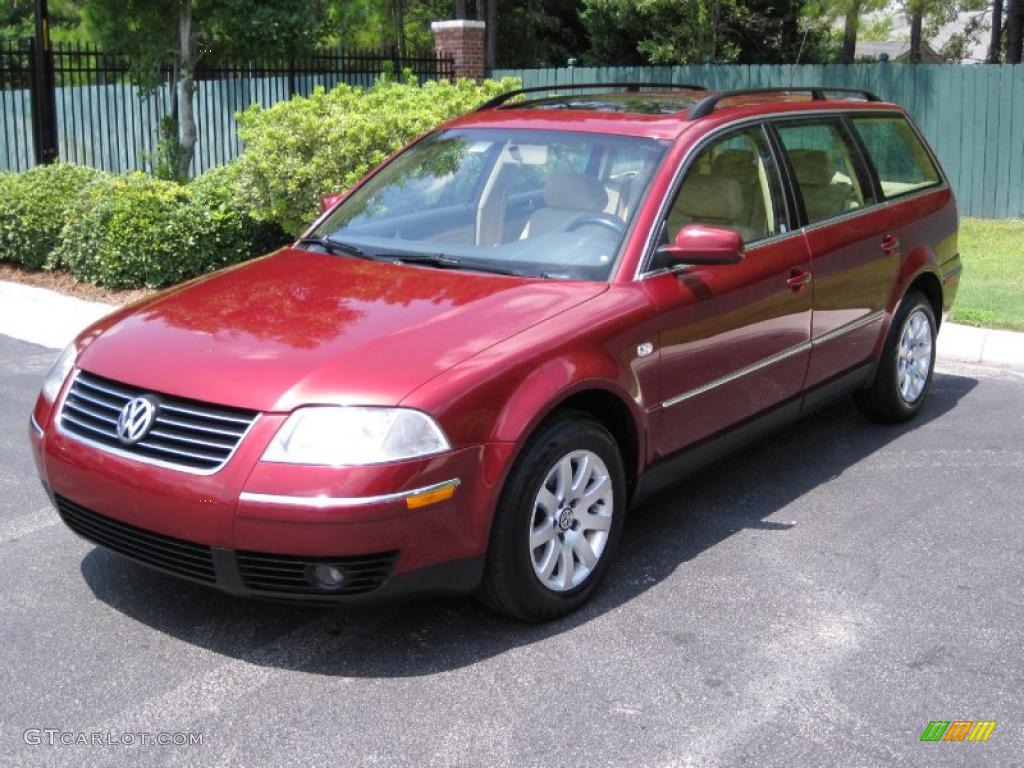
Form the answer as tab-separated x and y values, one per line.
135	420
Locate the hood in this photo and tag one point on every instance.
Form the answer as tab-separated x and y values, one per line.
300	327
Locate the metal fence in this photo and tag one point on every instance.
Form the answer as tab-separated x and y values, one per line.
972	115
103	119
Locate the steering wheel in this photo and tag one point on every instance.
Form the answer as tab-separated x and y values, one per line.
614	223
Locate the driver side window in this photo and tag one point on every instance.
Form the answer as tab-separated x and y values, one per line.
734	184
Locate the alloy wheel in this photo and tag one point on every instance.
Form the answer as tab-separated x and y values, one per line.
914	356
571	520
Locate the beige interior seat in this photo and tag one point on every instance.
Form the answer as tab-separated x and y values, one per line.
567	196
823	195
710	199
741	165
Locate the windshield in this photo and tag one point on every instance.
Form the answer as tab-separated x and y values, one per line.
552	204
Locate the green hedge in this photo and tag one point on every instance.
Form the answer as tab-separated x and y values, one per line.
136	230
128	231
34	207
298	151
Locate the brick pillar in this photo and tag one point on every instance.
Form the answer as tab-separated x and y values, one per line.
463	41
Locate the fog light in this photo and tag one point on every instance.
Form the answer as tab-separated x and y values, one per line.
325	576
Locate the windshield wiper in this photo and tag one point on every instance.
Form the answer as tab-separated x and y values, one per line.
444	261
335	246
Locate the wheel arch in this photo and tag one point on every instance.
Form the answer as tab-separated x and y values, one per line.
928	282
602	401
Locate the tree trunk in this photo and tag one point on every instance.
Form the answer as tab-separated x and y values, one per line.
481	14
400	42
491	52
851	22
187	88
995	43
1014	31
460	9
916	19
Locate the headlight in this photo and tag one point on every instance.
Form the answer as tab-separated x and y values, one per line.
347	436
55	378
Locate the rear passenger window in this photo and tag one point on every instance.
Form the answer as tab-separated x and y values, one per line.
732	184
825	165
902	163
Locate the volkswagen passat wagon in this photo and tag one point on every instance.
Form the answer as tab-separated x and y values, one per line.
476	360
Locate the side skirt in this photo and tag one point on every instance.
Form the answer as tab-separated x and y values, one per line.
680	466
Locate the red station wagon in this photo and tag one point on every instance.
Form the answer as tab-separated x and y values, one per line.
472	365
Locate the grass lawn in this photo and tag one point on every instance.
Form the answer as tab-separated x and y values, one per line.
992	284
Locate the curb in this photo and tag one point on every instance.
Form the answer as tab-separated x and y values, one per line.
981	345
51	319
44	317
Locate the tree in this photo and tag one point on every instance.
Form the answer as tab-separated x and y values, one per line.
1014	31
17	21
695	31
185	31
916	9
995	44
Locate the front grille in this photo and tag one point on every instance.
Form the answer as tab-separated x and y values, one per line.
283	573
184	558
186	434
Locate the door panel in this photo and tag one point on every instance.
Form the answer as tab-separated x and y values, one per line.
734	342
854	272
853	247
734	338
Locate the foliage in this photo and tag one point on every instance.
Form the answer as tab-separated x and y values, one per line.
135	230
151	32
166	159
34	206
17	21
301	150
636	32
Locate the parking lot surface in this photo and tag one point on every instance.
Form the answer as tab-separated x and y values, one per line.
815	600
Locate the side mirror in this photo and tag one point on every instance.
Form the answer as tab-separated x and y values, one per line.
329	202
700	244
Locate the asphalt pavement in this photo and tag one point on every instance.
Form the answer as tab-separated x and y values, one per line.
815	600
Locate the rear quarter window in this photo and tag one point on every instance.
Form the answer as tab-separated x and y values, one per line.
900	159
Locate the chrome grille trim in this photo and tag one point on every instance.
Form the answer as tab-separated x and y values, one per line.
186	436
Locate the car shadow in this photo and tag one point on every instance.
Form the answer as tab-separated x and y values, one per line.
436	635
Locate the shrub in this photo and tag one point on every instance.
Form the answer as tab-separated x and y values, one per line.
300	150
136	230
232	233
34	207
131	230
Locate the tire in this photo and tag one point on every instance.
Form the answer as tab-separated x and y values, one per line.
529	512
900	386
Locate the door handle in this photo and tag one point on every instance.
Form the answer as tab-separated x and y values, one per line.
890	243
798	279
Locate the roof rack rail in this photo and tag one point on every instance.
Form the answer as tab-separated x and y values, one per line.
497	101
707	105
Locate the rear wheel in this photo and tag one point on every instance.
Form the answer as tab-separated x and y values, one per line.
904	373
557	522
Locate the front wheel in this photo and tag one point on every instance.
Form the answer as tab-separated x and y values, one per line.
557	521
904	373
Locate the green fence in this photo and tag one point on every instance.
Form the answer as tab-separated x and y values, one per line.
973	116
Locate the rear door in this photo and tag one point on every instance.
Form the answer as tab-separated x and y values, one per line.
734	338
854	247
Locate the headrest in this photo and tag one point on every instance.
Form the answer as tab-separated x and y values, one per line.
739	164
718	198
812	167
566	189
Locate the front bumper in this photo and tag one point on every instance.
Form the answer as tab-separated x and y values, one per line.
249	519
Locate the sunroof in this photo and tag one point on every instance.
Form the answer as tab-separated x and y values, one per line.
633	102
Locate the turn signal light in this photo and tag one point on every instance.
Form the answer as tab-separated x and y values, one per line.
432	496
